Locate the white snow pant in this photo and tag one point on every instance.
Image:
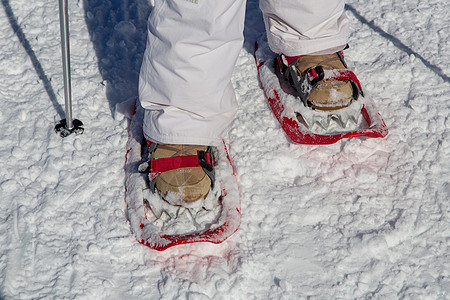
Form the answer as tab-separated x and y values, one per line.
192	48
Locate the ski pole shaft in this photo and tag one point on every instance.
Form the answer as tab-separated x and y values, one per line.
65	49
68	125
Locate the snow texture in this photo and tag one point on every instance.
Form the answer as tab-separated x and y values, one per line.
359	219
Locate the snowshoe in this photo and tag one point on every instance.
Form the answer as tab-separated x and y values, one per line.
160	222
314	122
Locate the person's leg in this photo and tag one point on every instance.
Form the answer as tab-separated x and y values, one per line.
185	88
305	27
185	76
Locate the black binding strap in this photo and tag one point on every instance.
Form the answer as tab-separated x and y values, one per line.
304	85
207	164
205	160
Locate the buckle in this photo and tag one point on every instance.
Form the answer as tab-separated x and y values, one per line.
315	74
205	160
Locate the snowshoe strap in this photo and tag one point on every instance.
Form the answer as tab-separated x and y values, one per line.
313	76
203	159
162	165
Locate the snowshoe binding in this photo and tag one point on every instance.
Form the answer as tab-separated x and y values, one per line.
184	173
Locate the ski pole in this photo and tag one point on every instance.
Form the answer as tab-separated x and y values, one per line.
68	125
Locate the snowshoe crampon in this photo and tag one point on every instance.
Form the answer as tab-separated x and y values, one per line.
305	125
160	223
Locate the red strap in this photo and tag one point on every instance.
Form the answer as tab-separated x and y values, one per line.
162	165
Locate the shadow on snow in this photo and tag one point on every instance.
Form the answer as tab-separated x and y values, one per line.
118	30
34	60
397	43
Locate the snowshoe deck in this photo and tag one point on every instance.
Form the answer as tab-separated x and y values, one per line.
304	125
159	225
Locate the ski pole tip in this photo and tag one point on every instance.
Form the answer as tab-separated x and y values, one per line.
63	130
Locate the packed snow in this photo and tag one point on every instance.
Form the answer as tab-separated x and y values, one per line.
359	219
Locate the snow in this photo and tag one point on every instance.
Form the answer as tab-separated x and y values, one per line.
363	218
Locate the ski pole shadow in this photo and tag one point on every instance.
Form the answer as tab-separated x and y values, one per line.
397	43
118	32
34	60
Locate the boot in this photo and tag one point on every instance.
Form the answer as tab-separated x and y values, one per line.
187	183
329	94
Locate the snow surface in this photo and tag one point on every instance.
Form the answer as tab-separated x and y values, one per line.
363	218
